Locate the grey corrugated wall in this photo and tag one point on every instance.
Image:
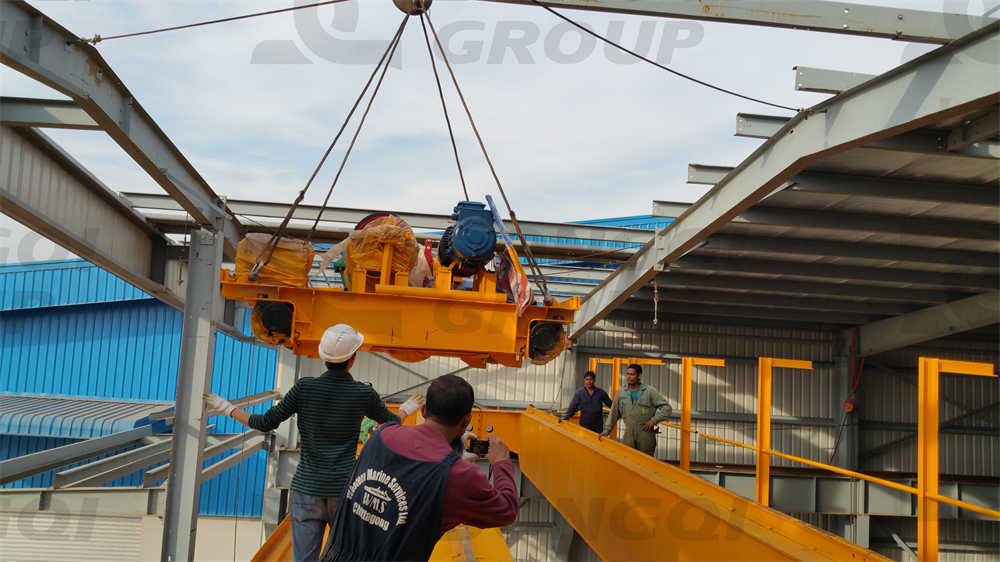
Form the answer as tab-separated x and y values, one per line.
888	393
532	384
731	391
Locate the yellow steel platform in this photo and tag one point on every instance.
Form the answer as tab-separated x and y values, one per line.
629	506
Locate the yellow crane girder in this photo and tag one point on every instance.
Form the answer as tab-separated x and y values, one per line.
409	323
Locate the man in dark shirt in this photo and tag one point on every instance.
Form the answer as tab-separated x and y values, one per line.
590	401
409	486
330	409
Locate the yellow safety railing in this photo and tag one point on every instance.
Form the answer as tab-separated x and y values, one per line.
616	367
927	474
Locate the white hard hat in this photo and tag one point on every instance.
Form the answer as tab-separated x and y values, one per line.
339	343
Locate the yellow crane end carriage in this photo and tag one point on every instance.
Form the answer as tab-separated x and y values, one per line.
454	309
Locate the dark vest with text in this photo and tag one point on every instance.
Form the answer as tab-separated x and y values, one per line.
391	507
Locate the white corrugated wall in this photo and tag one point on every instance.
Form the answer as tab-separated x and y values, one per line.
50	536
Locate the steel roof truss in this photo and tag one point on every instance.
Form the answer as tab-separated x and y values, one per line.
828	271
42	49
962	73
824	81
832	17
968	141
794	287
859	250
56	114
930	323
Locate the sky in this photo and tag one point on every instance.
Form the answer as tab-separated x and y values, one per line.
576	130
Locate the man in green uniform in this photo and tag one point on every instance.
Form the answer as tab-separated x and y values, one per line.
641	407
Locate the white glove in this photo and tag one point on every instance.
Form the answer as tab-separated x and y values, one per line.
410	407
219	404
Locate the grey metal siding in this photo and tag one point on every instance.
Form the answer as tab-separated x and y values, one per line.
530	538
731	391
889	399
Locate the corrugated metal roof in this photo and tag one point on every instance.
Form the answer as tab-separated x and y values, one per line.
61	283
644	222
46	416
641	222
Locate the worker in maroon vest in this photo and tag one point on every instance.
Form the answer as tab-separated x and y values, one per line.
409	486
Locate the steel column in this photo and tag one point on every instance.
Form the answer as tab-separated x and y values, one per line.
764	367
285	374
194	378
846	441
686	365
570	383
927	455
927	447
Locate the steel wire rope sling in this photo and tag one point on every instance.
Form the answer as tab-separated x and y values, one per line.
444	106
532	263
383	65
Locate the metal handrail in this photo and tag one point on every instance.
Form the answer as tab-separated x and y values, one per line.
958	367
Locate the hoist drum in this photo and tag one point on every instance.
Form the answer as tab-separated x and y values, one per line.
366	246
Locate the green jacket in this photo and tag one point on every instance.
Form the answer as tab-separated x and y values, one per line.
649	405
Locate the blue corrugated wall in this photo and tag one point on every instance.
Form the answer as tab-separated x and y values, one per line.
59	283
69	328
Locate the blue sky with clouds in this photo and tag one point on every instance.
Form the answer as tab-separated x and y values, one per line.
588	137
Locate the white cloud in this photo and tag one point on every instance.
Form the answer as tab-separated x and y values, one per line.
570	141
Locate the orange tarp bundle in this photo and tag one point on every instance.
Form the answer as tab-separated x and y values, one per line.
290	264
366	246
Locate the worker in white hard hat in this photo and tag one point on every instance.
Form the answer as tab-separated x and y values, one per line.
330	408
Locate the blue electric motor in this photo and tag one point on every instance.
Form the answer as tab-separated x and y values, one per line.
470	241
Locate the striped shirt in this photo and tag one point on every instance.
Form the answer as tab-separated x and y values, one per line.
330	409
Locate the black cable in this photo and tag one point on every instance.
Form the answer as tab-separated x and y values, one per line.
361	123
656	64
97	38
451	134
836	444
